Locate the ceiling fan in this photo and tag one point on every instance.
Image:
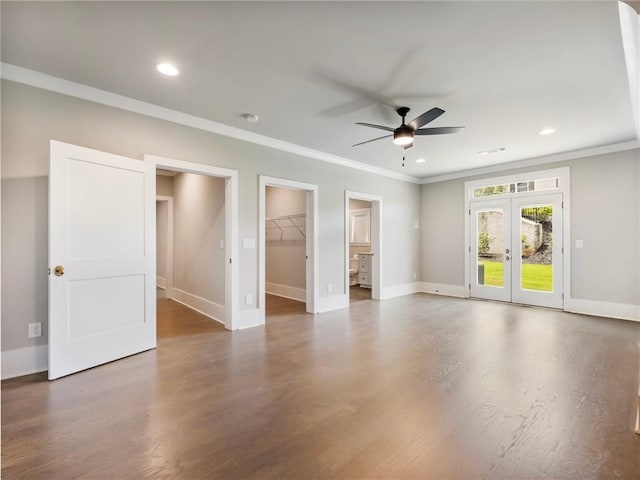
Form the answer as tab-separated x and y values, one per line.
403	135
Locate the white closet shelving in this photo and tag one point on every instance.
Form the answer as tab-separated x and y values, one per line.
286	227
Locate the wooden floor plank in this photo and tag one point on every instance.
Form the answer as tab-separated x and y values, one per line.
413	387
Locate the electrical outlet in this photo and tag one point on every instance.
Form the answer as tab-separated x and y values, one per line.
329	288
414	275
248	299
221	243
35	329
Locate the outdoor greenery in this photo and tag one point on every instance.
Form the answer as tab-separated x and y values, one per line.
483	243
535	277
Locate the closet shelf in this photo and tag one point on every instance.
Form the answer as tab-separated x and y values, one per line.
297	222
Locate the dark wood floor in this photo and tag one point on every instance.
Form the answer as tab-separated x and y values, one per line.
414	387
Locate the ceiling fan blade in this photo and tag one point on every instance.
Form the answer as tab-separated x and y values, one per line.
437	130
426	117
381	127
372	140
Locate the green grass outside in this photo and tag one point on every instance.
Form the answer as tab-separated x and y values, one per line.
535	277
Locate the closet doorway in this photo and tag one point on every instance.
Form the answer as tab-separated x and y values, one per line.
196	230
363	241
287	246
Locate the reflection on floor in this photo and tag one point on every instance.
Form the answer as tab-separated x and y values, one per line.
175	320
357	293
280	306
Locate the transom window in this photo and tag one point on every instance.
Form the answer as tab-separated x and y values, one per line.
538	185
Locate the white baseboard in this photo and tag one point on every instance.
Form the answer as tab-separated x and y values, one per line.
199	304
25	361
334	302
399	290
444	289
248	318
161	282
603	309
292	293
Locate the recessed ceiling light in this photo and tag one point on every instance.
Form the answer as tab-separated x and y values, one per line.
547	131
167	69
420	160
493	150
250	117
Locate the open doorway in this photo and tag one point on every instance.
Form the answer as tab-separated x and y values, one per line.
363	240
190	253
287	247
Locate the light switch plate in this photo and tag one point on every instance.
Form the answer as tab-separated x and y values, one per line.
248	243
579	244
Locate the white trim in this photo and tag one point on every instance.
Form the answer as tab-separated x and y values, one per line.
311	239
161	282
530	162
286	291
400	290
231	224
597	308
248	319
25	361
201	305
376	240
444	289
334	302
25	76
168	285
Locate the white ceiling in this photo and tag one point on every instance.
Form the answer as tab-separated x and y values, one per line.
310	70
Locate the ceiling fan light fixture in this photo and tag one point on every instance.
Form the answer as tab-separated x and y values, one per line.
403	136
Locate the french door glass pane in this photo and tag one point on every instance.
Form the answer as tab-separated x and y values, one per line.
536	248
490	254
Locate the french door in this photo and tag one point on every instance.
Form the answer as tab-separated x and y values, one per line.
516	250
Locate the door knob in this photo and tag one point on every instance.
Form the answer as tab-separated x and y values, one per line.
507	258
506	251
58	271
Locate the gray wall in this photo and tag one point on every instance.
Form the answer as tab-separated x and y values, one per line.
199	226
31	117
285	262
604	214
162	236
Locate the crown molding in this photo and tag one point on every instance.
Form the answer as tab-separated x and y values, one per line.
556	157
41	80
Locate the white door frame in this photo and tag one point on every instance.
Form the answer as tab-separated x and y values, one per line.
564	187
169	253
311	226
376	240
231	304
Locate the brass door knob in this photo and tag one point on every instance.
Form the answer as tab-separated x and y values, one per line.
58	271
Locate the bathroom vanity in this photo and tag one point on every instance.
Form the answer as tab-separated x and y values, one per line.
364	269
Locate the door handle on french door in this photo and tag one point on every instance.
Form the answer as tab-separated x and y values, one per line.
506	251
58	271
507	258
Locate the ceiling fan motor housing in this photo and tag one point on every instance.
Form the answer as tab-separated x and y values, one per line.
403	135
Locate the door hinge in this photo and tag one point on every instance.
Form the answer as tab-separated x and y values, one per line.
469	249
469	212
562	204
563	295
469	286
306	257
562	250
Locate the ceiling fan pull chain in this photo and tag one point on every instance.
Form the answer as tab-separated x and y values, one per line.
403	156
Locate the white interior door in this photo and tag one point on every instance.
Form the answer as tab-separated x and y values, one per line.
516	250
490	259
102	258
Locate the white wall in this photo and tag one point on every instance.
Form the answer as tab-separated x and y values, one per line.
285	260
604	214
199	262
31	117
